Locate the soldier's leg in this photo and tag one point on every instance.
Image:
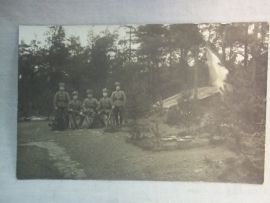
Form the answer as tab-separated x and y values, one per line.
79	117
113	118
92	116
109	118
98	119
116	111
66	116
74	114
63	118
82	117
102	118
61	123
55	115
58	113
71	122
88	117
121	112
55	121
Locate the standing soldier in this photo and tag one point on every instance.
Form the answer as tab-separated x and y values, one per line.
90	105
119	100
61	100
75	109
105	106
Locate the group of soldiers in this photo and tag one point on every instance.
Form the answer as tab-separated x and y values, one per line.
69	111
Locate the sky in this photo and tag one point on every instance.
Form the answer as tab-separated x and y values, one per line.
27	33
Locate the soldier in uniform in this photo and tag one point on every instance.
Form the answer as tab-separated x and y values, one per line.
61	100
75	109
105	106
90	104
119	100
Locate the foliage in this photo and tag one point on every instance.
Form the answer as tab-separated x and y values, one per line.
161	65
186	113
138	102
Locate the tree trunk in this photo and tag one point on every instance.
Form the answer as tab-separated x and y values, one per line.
157	81
32	89
170	82
224	44
149	76
230	56
196	74
254	54
224	55
186	66
153	81
246	47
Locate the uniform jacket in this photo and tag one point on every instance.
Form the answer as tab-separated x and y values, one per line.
75	105
118	98
105	103
61	99
90	104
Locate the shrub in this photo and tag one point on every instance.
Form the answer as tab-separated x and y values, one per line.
186	112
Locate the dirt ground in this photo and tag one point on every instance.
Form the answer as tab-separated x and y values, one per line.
95	154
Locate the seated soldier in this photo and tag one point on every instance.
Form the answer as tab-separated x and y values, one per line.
90	105
75	109
105	106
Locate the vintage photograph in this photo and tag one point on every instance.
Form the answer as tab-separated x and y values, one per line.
156	102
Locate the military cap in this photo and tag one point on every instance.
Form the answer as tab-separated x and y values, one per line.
105	90
117	84
89	91
61	84
75	93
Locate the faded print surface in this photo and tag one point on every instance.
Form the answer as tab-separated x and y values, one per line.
188	104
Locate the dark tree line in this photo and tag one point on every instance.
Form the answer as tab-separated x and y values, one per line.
163	62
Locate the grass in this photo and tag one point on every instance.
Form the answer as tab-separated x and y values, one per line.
34	163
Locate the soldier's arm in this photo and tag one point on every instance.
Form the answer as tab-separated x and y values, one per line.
55	100
83	106
100	104
97	104
111	102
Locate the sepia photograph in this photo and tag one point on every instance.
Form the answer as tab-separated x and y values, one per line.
149	102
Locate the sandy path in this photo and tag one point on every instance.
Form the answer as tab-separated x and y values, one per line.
93	154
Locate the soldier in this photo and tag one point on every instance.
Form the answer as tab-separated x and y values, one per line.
119	100
61	100
75	109
90	105
105	106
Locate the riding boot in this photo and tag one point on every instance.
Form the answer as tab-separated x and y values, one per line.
121	119
121	115
116	117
